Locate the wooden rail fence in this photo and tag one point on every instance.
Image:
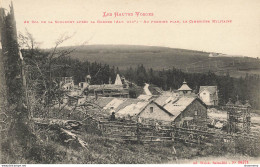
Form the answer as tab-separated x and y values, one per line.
137	132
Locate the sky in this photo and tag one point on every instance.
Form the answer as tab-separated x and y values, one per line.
240	37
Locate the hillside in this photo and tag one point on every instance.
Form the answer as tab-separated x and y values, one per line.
124	56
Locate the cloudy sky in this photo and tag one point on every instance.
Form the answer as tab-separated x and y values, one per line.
241	37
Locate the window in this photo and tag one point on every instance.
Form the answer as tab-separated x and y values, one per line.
196	113
204	93
151	109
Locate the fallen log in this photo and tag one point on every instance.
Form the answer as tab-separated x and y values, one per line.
66	130
73	137
66	124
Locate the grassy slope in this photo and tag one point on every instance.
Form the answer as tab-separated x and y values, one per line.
103	151
100	151
125	56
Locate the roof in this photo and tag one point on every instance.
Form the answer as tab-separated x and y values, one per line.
184	87
238	103
157	106
127	103
145	97
125	106
104	86
247	104
211	89
229	103
103	101
114	103
163	100
176	107
137	108
133	109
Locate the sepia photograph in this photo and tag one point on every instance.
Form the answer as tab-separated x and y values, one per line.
130	82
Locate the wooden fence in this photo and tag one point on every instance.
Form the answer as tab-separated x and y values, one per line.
137	132
131	131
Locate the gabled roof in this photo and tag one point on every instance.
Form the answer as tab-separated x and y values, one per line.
103	101
229	103
176	107
115	103
145	97
133	109
128	102
180	104
210	89
167	93
126	106
184	87
163	100
157	106
136	109
238	103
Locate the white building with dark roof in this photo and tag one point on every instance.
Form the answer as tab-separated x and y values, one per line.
209	95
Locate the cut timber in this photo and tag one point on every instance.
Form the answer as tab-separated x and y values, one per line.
66	124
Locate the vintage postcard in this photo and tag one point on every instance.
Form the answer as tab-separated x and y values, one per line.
130	82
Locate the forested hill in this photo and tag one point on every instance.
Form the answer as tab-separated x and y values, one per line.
124	56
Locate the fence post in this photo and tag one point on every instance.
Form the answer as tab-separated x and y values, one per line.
138	132
172	132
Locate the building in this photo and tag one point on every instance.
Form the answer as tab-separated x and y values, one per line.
132	109
185	89
83	85
209	95
153	111
187	110
180	110
213	55
118	89
107	90
66	83
145	97
183	107
166	97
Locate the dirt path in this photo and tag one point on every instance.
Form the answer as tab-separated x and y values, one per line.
146	89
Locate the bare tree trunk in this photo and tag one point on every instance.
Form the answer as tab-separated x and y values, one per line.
15	80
